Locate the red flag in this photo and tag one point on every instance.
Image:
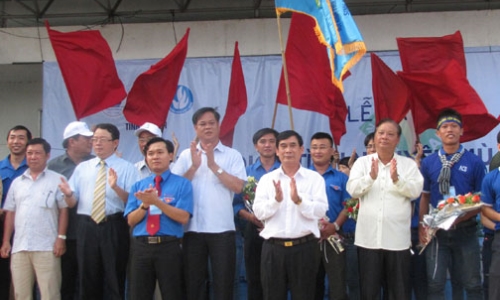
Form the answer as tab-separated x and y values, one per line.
236	102
153	91
449	88
390	93
88	70
309	76
431	53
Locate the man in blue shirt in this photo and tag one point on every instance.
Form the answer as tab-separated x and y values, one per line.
452	167
99	187
10	168
156	252
332	262
264	141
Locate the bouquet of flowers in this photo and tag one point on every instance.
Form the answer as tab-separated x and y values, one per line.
447	212
352	207
249	192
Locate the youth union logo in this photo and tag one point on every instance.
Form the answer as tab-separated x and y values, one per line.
183	100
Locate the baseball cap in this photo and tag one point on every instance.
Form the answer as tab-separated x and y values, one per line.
149	127
75	128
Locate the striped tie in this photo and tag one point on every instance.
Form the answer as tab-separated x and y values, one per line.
98	206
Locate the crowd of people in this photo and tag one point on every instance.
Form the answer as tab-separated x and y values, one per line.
95	226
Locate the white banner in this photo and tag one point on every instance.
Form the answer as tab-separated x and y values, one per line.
205	82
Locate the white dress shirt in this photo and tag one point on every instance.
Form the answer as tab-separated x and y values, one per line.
213	201
384	216
286	219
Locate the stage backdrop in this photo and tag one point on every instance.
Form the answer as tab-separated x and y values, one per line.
205	82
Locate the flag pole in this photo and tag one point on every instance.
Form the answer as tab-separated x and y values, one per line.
287	84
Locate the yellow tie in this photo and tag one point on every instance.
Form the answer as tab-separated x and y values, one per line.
98	206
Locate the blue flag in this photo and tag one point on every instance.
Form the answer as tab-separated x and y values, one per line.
335	29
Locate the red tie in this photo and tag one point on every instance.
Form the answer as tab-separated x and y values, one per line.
153	221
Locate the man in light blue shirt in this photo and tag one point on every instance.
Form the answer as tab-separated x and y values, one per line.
102	246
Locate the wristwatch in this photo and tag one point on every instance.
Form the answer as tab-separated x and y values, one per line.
219	171
143	207
61	236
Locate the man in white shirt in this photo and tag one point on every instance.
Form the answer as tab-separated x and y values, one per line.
144	134
217	172
290	201
37	212
385	184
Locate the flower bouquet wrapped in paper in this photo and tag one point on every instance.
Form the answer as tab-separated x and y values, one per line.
447	212
352	207
249	193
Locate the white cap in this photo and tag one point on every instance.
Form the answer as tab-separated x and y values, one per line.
75	128
150	127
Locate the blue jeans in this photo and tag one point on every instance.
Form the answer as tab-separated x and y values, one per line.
457	249
352	271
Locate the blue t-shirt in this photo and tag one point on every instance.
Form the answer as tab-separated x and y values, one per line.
257	171
335	183
9	174
490	193
175	189
466	175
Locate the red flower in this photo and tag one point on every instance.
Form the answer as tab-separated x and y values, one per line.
246	197
461	199
450	200
476	198
350	209
441	205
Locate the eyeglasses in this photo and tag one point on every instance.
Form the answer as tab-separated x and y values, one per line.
100	139
145	140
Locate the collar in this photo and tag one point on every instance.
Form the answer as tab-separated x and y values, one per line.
27	173
441	150
258	164
107	160
329	170
220	147
164	176
5	163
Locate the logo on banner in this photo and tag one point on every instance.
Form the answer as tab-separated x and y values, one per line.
183	100
115	111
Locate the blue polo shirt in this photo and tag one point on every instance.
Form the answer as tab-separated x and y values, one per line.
335	182
466	175
8	174
490	193
179	192
257	171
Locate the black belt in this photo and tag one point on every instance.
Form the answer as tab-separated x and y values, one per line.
113	217
292	242
347	235
156	239
468	223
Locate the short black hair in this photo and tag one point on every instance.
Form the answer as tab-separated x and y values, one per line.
322	135
345	161
287	134
368	138
115	133
391	121
168	144
262	132
200	112
40	141
20	127
449	112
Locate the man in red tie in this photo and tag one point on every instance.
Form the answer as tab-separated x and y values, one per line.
157	208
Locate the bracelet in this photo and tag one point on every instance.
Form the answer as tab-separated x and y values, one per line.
61	236
337	228
143	207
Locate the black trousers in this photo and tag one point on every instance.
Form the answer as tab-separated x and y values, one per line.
220	248
377	266
494	280
152	262
331	264
102	252
253	252
292	267
69	271
5	278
